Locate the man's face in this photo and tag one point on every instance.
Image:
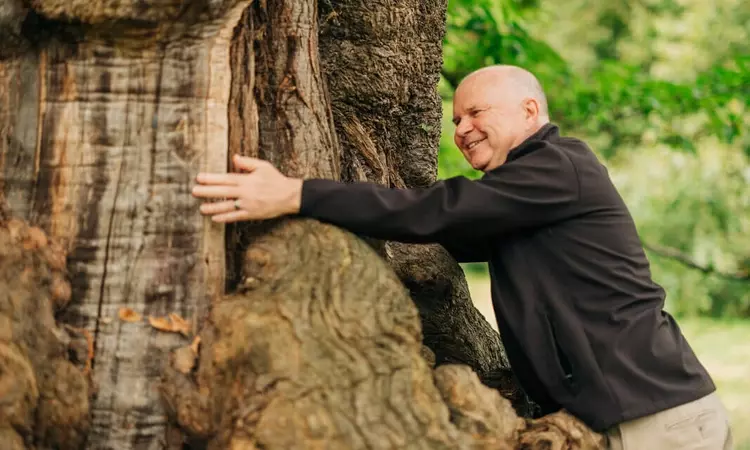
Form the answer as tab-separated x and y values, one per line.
489	121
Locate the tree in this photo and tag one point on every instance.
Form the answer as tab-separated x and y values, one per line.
282	334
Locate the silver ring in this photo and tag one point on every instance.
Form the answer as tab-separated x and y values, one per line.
237	204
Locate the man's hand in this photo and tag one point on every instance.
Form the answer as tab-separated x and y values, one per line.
261	193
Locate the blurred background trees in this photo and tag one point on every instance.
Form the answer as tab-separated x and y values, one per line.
660	89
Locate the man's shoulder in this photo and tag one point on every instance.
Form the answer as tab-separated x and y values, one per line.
578	151
574	144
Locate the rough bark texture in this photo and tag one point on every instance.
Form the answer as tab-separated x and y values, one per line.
43	397
280	109
102	130
382	61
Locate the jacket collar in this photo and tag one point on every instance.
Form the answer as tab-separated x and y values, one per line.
545	133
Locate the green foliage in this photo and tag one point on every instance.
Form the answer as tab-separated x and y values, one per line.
661	90
698	205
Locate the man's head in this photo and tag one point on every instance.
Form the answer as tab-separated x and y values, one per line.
495	109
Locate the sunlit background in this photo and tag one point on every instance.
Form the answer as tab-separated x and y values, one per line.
660	89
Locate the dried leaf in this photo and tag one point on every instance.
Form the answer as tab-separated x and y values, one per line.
172	323
180	324
128	315
161	323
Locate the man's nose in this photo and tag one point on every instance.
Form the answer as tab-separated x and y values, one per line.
463	128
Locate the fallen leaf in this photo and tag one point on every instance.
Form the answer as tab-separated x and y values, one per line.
161	323
180	324
172	323
128	315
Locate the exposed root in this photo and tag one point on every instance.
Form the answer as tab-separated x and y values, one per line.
44	398
559	431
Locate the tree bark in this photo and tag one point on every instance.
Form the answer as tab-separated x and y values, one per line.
103	126
109	109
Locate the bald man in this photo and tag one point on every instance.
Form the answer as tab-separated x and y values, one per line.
579	315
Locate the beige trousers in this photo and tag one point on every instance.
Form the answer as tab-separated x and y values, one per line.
702	424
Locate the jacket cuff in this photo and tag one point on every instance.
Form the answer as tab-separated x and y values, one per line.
312	191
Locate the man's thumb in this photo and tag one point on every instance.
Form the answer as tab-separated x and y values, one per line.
246	163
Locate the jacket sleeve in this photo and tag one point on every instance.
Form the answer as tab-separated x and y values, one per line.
534	190
467	250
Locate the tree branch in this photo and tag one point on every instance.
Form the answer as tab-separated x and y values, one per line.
686	260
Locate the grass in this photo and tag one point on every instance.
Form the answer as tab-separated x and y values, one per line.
723	346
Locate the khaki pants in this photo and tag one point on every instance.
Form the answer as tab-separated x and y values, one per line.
699	425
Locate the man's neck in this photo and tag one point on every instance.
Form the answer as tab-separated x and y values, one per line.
502	158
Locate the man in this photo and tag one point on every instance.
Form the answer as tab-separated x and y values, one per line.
579	315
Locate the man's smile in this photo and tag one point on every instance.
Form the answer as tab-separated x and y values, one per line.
475	143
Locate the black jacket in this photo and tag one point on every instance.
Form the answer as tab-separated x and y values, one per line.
578	313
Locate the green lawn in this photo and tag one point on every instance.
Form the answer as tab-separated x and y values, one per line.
723	346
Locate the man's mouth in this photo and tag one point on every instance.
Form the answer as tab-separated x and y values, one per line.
475	143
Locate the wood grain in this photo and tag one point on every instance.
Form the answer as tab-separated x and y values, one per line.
101	138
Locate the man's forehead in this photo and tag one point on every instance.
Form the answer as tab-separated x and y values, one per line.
479	96
459	105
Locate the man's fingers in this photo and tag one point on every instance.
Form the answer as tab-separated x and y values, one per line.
217	208
246	163
227	179
215	191
234	216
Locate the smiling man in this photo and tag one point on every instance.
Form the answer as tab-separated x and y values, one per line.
485	113
580	317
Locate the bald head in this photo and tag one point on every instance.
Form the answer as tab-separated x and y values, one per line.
512	82
495	109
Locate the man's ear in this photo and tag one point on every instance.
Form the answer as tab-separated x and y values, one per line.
531	109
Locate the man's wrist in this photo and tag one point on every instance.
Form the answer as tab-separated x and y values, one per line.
295	195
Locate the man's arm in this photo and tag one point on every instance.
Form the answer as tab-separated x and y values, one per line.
537	189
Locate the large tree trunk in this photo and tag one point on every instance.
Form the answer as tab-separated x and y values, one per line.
109	109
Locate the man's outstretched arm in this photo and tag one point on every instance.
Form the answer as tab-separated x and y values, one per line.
532	191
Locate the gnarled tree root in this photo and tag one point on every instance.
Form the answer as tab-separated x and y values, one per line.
44	398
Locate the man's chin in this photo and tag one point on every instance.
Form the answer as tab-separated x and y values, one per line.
480	165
